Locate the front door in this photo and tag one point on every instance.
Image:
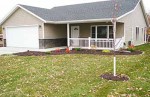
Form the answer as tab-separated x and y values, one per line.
75	34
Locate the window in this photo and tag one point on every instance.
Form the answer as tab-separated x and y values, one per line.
137	33
111	33
142	38
93	32
102	32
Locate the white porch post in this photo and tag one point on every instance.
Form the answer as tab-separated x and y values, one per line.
68	35
89	42
96	38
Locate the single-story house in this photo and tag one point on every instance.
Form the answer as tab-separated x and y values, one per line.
81	25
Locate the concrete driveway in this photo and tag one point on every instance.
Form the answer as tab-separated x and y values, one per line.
11	50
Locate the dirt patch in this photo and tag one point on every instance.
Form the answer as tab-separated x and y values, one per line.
60	52
120	77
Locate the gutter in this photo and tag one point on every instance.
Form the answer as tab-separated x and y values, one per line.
80	21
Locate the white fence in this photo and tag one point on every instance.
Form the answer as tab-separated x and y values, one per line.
93	43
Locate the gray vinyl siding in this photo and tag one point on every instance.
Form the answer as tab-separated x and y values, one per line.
131	21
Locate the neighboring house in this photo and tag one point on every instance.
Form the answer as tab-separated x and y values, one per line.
81	25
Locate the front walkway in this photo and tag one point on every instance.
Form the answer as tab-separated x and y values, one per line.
11	50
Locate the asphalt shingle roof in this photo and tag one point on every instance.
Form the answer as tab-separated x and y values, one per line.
95	10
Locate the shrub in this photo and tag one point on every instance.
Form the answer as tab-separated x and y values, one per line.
78	49
67	50
131	48
106	51
49	52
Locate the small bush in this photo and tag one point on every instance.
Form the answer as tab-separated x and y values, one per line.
67	50
131	48
78	49
106	51
49	52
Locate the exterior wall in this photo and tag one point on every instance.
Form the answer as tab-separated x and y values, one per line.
54	36
21	17
85	29
52	31
131	21
119	30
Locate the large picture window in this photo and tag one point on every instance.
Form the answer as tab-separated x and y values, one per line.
102	32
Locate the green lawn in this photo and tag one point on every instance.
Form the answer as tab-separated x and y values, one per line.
74	75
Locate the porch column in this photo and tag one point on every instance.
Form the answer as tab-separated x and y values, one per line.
68	35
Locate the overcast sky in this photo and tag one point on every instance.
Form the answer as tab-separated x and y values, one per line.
7	5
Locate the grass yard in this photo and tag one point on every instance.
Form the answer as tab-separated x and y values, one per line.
74	75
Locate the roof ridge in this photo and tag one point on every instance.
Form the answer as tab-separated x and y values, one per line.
34	6
81	3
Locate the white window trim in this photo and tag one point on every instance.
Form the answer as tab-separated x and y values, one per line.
108	32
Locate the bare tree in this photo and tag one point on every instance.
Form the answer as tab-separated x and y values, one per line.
114	21
148	29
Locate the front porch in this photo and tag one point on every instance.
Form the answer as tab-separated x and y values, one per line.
94	35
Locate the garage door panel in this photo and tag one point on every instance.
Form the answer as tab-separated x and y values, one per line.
22	37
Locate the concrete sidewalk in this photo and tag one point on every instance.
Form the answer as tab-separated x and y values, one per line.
11	50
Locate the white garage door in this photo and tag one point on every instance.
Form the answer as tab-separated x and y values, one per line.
22	36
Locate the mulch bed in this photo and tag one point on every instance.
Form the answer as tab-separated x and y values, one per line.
119	77
95	52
